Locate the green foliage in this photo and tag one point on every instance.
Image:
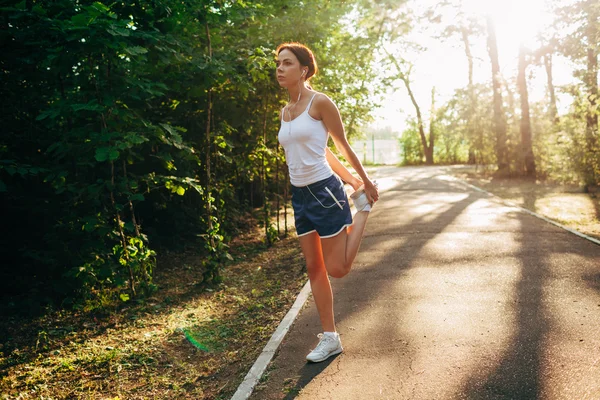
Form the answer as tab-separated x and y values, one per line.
561	149
410	145
113	114
451	145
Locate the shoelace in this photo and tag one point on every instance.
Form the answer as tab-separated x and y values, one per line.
323	340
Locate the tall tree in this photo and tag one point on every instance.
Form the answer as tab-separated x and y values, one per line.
404	76
432	122
527	159
458	23
471	130
592	34
545	55
499	117
579	23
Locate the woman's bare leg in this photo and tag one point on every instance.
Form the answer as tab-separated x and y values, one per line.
319	281
339	251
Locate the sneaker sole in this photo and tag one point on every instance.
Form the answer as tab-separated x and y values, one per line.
333	353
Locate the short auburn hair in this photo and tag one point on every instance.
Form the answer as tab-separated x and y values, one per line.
304	55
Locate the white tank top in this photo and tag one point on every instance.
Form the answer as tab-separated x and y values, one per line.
304	140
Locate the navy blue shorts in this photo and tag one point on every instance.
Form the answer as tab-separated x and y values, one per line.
322	207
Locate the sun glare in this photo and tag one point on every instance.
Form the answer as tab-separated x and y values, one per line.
517	21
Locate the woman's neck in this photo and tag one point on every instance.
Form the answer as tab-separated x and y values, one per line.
296	92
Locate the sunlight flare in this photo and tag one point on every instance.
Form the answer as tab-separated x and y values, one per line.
517	22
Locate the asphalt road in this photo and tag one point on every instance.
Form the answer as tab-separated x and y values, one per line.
454	295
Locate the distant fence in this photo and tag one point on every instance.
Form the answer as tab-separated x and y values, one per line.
378	151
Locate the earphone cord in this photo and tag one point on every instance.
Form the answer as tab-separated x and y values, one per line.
289	108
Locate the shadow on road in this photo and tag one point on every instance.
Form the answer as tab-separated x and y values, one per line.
413	235
517	375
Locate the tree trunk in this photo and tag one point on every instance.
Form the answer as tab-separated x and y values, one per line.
120	224
266	207
499	118
591	81
285	200
431	125
471	93
592	77
465	39
427	149
553	108
278	205
527	159
208	149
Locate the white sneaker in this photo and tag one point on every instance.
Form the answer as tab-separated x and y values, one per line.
359	197
328	346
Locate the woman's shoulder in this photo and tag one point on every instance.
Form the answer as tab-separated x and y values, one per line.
321	98
324	103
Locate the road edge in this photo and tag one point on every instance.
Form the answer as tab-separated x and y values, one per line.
511	204
247	386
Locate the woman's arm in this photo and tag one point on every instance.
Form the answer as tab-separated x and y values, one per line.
330	116
341	170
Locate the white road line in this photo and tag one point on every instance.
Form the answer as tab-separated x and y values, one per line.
247	386
511	204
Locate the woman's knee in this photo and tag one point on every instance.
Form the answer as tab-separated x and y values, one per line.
315	270
338	270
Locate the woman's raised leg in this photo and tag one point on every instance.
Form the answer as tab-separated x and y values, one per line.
339	251
319	281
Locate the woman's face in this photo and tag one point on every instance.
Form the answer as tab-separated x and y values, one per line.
289	70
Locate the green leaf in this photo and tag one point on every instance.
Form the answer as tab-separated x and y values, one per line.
117	30
102	154
135	138
113	154
38	10
81	19
136	50
91	106
100	7
124	297
137	197
52	113
180	191
169	129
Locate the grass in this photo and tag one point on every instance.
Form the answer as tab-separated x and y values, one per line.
567	204
187	341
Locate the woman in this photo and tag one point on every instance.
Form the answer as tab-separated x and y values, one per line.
328	237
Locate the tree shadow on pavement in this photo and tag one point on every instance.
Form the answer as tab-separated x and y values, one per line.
517	375
548	296
593	281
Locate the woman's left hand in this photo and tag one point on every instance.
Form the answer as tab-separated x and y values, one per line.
371	191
